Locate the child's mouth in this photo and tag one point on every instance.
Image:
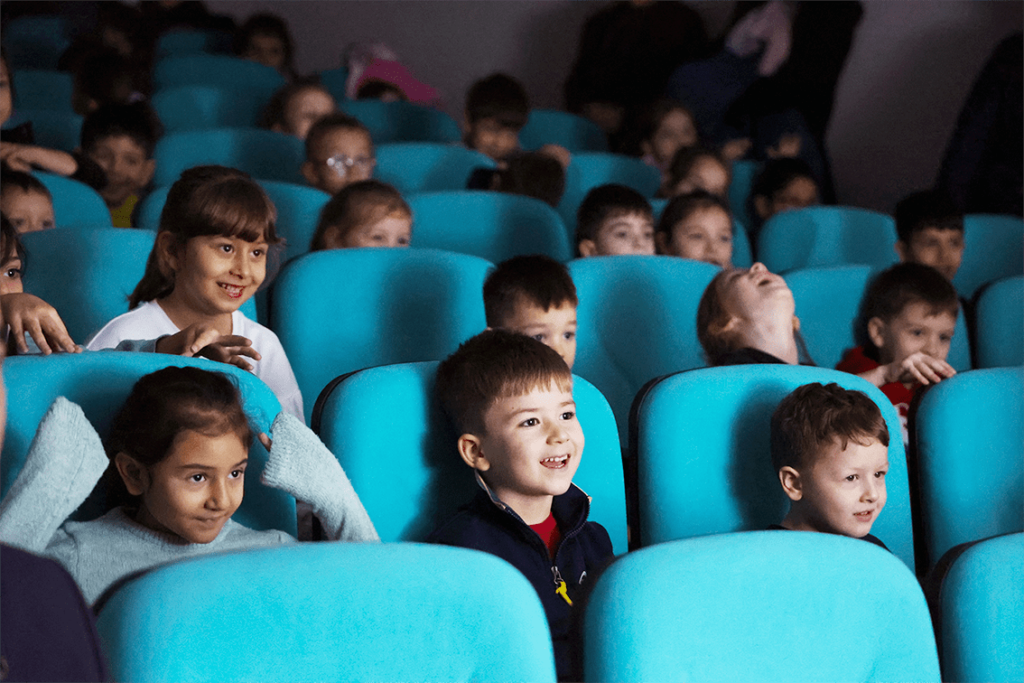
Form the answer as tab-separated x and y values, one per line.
556	462
234	291
864	516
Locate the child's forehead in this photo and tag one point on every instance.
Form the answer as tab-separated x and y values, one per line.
342	139
616	215
930	231
123	141
841	451
919	309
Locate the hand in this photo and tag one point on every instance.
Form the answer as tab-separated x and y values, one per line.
26	157
204	340
735	149
14	157
919	367
28	313
789	146
265	440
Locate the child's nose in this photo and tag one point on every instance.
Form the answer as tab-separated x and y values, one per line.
758	267
218	497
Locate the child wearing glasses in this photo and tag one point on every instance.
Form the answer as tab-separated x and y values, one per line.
339	151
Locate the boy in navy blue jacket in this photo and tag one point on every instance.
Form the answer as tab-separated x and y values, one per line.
510	398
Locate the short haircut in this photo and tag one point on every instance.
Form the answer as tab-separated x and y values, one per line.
274	113
328	124
137	121
777	174
265	24
604	202
684	161
927	209
534	175
907	283
26	182
500	97
815	417
537	279
356	204
492	365
682	206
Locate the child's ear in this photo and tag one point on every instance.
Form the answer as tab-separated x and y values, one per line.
762	207
901	250
472	453
876	332
308	170
133	474
588	248
168	252
148	169
791	484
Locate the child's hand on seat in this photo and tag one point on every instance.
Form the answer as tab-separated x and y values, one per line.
204	340
919	367
28	313
26	157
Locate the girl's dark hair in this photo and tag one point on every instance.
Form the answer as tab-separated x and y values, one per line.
10	243
274	112
366	201
684	161
683	206
648	120
207	200
162	405
267	25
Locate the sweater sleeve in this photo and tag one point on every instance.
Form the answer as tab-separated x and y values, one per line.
302	465
64	462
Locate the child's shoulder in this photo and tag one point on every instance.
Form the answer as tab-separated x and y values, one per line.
855	360
146	321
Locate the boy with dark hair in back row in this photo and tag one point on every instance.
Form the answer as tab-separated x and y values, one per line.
930	231
830	448
614	220
510	399
534	296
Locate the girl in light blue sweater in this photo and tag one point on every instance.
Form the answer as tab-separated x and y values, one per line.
177	452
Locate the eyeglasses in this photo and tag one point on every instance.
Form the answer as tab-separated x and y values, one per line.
341	164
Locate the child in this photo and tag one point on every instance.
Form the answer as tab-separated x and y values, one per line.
120	138
667	128
696	168
614	220
748	315
24	313
368	213
339	151
496	110
783	184
909	315
696	226
25	201
510	398
830	447
264	39
534	296
296	107
209	257
930	231
175	467
532	174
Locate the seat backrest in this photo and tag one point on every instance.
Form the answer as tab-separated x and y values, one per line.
427	166
827	303
553	127
305	612
192	41
982	612
219	70
199	107
591	169
970	451
426	480
740	184
87	275
492	225
637	320
51	128
42	88
99	382
335	80
75	204
759	606
263	154
704	459
403	121
36	41
821	236
999	318
341	310
993	249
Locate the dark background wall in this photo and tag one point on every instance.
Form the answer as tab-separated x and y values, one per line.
909	70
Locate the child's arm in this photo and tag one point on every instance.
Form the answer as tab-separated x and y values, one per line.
26	157
919	367
63	464
202	340
301	465
28	313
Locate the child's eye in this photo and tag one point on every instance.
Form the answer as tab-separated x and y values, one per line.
197	478
539	337
880	474
227	248
569	336
851	477
13	273
47	225
530	422
237	474
945	338
259	253
568	415
403	241
621	235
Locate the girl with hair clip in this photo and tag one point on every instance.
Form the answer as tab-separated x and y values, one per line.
367	213
174	471
209	258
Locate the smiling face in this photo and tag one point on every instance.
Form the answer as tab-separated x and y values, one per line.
194	490
530	449
214	275
624	234
344	156
917	328
943	250
27	211
303	110
704	235
394	230
555	327
676	131
125	164
843	492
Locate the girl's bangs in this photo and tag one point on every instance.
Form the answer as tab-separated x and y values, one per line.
236	207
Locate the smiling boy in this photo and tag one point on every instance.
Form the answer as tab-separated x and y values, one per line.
510	399
614	220
830	448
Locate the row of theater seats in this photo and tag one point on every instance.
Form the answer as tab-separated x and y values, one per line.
700	443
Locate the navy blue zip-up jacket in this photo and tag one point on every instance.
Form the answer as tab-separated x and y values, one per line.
489	525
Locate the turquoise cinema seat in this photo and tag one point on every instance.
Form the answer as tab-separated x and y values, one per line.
99	382
999	319
36	41
553	127
828	302
341	310
428	481
701	443
993	249
200	107
75	204
329	612
217	70
970	452
414	167
54	129
591	169
762	606
822	236
492	225
403	121
188	41
263	154
42	88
